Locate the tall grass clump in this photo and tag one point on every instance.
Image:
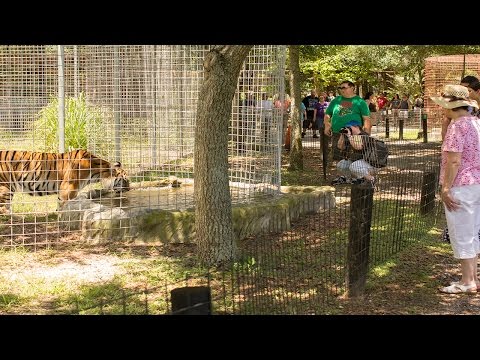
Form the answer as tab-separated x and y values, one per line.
86	126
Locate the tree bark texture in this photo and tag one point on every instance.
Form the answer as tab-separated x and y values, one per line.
213	205
296	153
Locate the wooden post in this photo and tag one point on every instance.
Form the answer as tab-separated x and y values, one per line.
387	127
400	129
288	138
359	238
427	200
424	127
191	300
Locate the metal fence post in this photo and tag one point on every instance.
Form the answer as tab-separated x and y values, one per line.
116	100
61	99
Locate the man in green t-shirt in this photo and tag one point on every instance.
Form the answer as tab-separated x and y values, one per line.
348	108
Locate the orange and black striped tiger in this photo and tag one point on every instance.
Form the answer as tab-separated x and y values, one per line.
38	173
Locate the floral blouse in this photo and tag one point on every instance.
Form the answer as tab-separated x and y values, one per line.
463	136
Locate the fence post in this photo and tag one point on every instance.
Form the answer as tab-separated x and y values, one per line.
61	99
400	129
116	101
427	200
359	238
424	127
387	127
191	300
75	71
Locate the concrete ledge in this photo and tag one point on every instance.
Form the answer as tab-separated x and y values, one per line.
101	224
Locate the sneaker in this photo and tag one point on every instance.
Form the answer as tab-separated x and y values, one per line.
340	180
315	136
445	236
303	134
358	181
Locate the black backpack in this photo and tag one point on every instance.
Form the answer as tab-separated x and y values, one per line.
375	152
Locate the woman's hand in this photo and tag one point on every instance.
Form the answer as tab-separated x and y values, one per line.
450	203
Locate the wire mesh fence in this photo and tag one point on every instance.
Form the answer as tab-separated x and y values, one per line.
303	270
130	104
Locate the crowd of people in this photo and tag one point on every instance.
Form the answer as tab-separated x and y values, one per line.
376	104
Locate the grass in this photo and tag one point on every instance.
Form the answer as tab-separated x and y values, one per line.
51	281
408	134
34	205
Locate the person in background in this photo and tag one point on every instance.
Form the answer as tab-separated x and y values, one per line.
330	96
319	114
369	99
418	101
372	106
303	113
404	104
266	107
474	91
347	108
382	101
395	103
460	184
403	107
309	102
468	82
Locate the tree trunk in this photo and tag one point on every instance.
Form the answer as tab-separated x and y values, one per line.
296	153
213	205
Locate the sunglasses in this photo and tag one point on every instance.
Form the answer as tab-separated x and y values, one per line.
343	87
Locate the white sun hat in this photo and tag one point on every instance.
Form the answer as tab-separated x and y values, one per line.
454	96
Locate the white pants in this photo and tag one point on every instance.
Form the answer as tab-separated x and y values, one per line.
464	223
358	169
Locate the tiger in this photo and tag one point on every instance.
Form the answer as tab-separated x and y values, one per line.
65	174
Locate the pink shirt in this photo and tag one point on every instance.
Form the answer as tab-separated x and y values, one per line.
463	136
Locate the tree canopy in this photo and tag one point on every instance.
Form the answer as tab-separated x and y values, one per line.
397	68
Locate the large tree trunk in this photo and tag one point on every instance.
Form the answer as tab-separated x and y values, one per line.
213	205
296	152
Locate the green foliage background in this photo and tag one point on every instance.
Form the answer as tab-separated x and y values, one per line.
86	126
324	66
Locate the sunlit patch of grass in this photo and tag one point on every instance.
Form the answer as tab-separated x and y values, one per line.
9	300
23	203
408	134
441	248
383	269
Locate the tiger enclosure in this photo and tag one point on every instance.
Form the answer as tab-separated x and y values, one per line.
135	105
